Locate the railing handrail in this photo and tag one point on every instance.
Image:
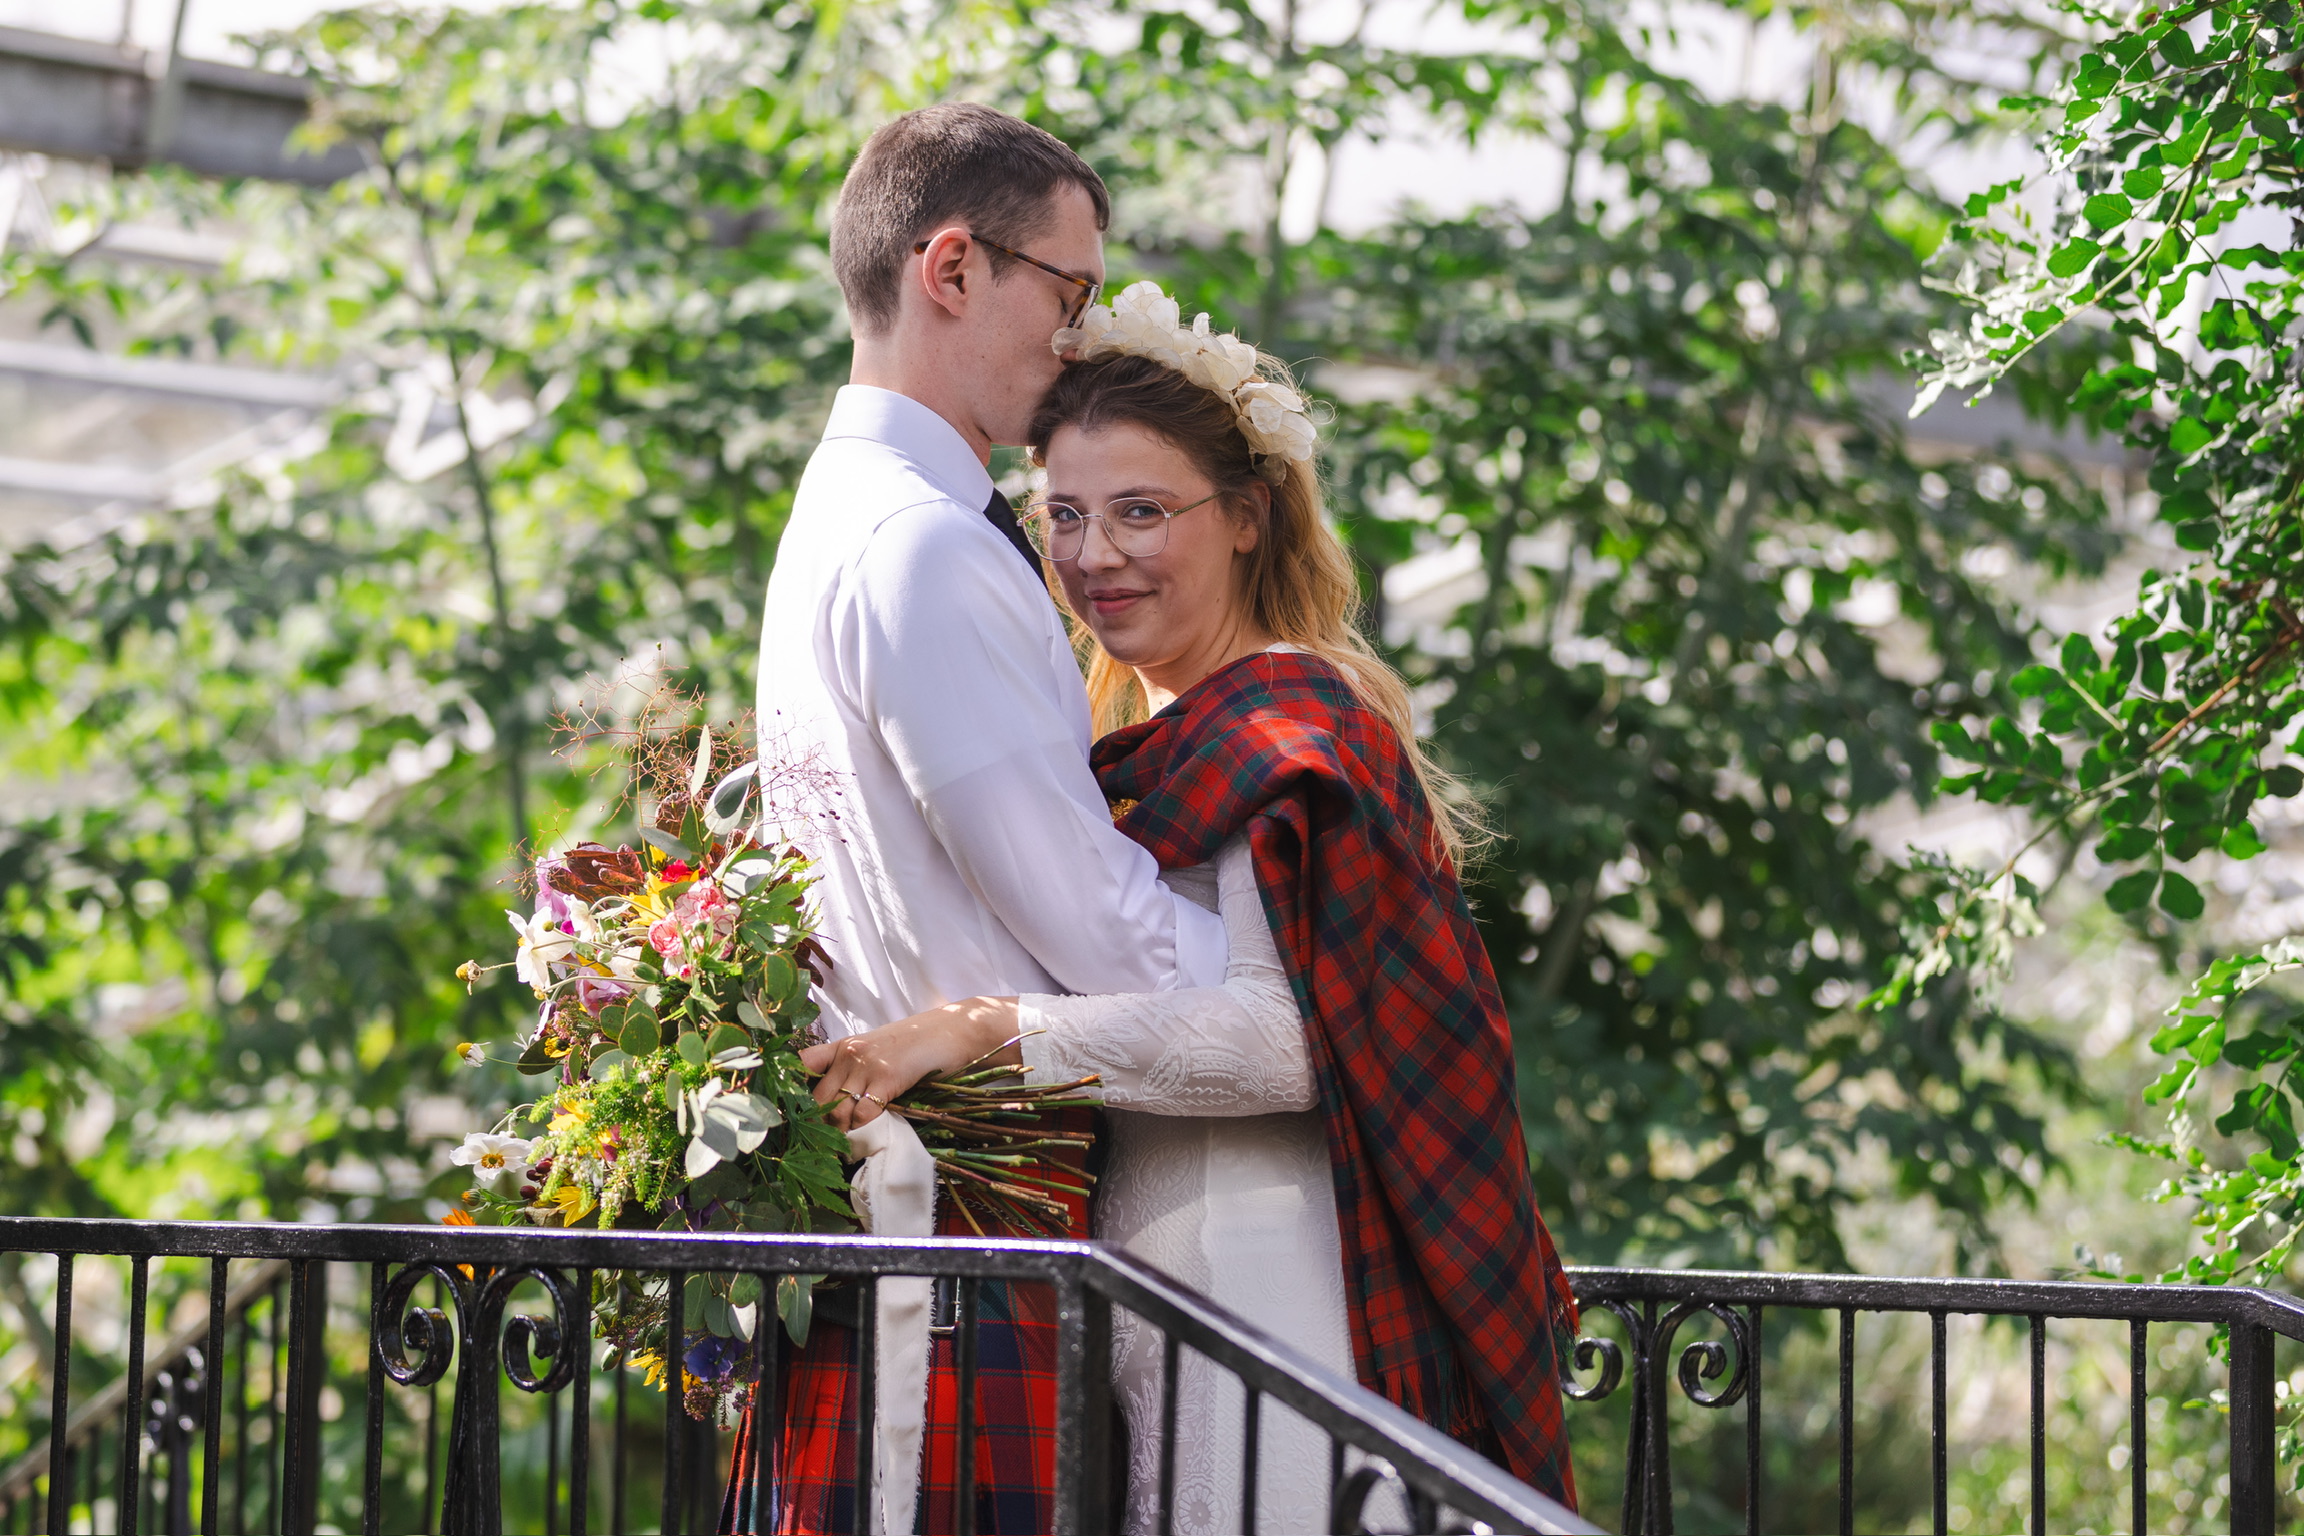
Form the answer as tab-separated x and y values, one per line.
1323	1397
1436	1465
2111	1299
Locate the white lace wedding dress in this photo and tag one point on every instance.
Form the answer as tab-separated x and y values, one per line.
1219	1175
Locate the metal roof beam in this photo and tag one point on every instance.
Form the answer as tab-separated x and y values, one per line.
91	101
163	376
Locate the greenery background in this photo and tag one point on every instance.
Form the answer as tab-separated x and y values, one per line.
269	760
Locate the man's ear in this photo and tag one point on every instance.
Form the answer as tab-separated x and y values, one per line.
945	269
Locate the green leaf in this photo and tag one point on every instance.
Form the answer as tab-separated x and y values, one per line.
2130	892
2180	898
2077	655
2035	680
2108	210
2124	843
536	1060
725	1037
606	1065
2284	781
2144	181
781	976
2252	1053
2072	257
2241	842
668	845
2188	435
795	1304
691	1049
641	1035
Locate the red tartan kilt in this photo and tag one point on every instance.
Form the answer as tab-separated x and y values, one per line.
1015	1415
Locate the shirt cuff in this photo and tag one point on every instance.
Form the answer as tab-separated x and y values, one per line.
1203	951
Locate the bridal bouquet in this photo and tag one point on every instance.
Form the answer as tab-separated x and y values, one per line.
672	980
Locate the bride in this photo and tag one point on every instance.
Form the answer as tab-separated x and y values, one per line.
1329	1144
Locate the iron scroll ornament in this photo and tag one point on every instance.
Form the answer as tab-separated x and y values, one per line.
479	1340
1648	1459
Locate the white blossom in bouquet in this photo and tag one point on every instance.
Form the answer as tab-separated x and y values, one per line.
1142	321
543	944
499	1164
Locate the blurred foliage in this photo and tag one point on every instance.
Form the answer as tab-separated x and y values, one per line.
270	757
2176	152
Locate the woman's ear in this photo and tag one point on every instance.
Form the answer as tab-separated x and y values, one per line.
1250	529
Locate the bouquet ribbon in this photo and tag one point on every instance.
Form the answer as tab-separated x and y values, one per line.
894	1194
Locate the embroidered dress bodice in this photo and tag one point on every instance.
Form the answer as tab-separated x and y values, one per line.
1218	1174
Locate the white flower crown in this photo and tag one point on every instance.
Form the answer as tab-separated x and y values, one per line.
1142	321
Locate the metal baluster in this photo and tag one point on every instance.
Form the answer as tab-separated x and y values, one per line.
1170	1381
2255	1472
132	1412
274	1383
372	1450
1251	1423
212	1396
616	1455
307	1365
967	1310
2136	1363
1083	1405
580	1417
552	1458
675	1409
2039	1425
867	1396
1752	1431
60	1407
240	1420
757	1513
1847	1421
1937	1468
432	1449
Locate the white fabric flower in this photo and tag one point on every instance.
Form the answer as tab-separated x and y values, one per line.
1143	321
499	1164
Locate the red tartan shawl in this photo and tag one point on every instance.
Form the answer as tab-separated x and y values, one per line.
1454	1287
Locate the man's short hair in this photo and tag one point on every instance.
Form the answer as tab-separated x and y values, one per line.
952	163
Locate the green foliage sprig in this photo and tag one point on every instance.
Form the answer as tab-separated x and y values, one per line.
2173	143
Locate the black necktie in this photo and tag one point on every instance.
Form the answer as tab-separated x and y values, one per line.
1002	516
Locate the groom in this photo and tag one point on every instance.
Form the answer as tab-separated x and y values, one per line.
910	648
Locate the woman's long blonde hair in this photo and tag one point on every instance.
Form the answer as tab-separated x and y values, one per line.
1298	582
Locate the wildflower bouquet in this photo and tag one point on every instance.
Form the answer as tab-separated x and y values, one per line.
673	984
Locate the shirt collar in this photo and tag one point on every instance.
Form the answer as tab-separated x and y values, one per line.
905	426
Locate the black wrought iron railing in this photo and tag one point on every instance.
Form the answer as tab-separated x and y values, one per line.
1716	1374
281	1402
474	1307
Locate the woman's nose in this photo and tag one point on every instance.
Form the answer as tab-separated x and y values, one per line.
1097	550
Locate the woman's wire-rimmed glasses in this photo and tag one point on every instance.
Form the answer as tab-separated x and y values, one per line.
1136	525
1090	288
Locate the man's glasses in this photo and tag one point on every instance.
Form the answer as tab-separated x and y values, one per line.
1090	289
1136	525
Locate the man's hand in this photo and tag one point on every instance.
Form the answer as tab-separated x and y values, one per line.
862	1073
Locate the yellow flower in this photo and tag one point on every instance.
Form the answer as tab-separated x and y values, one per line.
575	1203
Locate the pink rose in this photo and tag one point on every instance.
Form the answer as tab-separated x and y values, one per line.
664	937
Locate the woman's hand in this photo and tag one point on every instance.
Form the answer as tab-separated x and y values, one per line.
862	1073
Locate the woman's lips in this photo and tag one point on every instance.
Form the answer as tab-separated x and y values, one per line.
1114	601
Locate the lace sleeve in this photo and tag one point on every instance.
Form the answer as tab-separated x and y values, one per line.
1237	1049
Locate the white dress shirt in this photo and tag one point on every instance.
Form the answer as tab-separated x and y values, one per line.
962	846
